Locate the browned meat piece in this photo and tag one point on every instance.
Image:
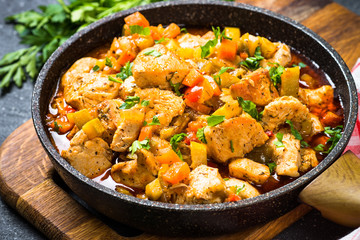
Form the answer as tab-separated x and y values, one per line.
308	159
83	65
282	56
249	170
89	89
89	157
127	88
281	109
191	41
243	133
287	158
317	98
205	186
164	104
247	190
255	87
130	123
150	71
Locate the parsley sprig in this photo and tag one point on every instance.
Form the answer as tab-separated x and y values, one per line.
46	29
205	50
275	73
125	71
174	142
250	108
136	145
201	135
217	77
278	142
334	134
253	63
130	101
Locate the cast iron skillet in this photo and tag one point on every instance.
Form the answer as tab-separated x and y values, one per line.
185	220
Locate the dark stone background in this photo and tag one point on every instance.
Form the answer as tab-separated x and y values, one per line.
15	110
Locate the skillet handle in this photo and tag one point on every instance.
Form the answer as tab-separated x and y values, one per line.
336	192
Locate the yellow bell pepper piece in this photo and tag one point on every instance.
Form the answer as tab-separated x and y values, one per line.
198	154
172	45
197	53
153	190
185	53
229	110
267	47
290	82
233	33
93	128
80	117
253	43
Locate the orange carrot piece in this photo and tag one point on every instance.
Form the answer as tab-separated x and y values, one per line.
198	106
177	172
194	77
125	57
331	119
168	157
146	132
233	198
227	49
137	19
216	88
171	31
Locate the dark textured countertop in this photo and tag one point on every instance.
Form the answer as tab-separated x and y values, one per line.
15	110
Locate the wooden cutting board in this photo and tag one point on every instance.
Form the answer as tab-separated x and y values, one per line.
29	184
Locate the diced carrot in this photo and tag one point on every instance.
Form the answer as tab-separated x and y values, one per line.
194	77
62	125
171	31
198	106
125	57
193	94
216	88
227	49
137	19
115	46
233	198
146	132
177	172
244	55
331	119
154	32
168	157
319	140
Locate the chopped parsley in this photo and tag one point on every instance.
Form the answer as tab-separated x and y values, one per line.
176	87
153	53
304	144
161	40
278	142
214	120
155	121
250	108
231	146
108	62
334	135
205	50
294	132
239	189
130	101
145	123
114	79
271	166
301	65
253	63
95	68
217	78
145	103
275	73
201	135
174	142
226	179
319	148
57	127
136	145
184	30
125	71
139	30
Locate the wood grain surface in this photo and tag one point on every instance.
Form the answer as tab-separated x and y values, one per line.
26	173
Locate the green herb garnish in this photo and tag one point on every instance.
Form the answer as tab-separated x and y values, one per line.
108	62
231	146
57	127
161	40
114	79
217	77
253	63
334	134
130	101
125	71
136	145
294	132
205	50
176	88
319	148
301	65
153	53
271	166
145	103
174	142
95	68
304	144
139	30
239	189
184	30
214	120
201	135
275	73
226	179
250	108
278	142
155	121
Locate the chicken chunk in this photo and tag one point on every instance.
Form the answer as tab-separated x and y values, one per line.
89	157
287	157
233	186
164	104
249	170
308	159
317	98
89	89
157	71
83	65
205	186
130	123
191	41
282	56
128	88
281	109
234	138
255	87
311	126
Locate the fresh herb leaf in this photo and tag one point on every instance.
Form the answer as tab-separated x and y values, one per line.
250	108
174	142
184	30
278	142
226	179
319	148
136	145
161	40
304	144
239	189
145	103
125	71
155	121
201	135
114	79
95	68
108	62
294	132
271	166
130	101
214	120
145	123
205	49
301	65
334	134
153	53
231	146
57	127
139	30
275	73
176	88
217	77
253	63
